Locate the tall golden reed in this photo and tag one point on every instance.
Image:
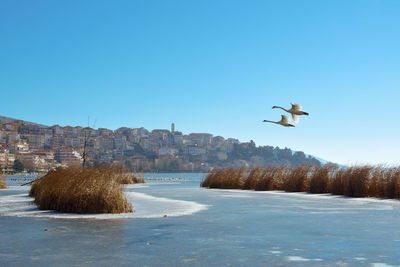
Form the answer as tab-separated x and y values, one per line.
356	181
3	182
296	179
128	178
89	190
320	179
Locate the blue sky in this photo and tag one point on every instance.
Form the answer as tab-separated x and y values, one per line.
211	66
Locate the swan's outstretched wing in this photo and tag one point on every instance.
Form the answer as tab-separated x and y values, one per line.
296	107
285	119
296	118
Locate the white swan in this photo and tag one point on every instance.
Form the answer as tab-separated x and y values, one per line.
295	111
284	121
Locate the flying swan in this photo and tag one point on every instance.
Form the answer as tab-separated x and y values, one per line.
284	121
295	111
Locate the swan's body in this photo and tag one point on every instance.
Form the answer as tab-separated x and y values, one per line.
295	111
284	121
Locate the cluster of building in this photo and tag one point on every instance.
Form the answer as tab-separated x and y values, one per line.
41	148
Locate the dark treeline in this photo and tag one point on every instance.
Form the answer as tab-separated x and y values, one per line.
270	156
246	155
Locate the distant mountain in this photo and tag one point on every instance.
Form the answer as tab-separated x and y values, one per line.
323	161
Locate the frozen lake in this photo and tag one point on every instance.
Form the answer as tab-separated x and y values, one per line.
204	227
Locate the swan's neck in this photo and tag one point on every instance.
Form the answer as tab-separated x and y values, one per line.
283	108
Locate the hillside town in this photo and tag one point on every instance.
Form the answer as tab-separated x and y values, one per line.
32	147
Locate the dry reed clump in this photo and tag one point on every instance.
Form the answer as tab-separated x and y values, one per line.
3	182
320	179
356	181
385	183
271	179
226	178
338	181
131	179
377	183
297	179
253	178
89	190
392	185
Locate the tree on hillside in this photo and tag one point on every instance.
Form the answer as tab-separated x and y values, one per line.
87	134
28	165
18	166
128	164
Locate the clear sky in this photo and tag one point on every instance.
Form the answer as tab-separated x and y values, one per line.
211	66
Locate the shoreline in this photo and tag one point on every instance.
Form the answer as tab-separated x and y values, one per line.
145	206
309	195
356	182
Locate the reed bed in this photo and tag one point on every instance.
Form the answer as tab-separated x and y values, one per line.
77	190
3	182
226	178
356	181
131	179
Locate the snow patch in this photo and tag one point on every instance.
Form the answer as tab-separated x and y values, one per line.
380	264
360	259
275	252
297	258
145	206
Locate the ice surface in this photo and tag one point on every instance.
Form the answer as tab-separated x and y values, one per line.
222	228
145	206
